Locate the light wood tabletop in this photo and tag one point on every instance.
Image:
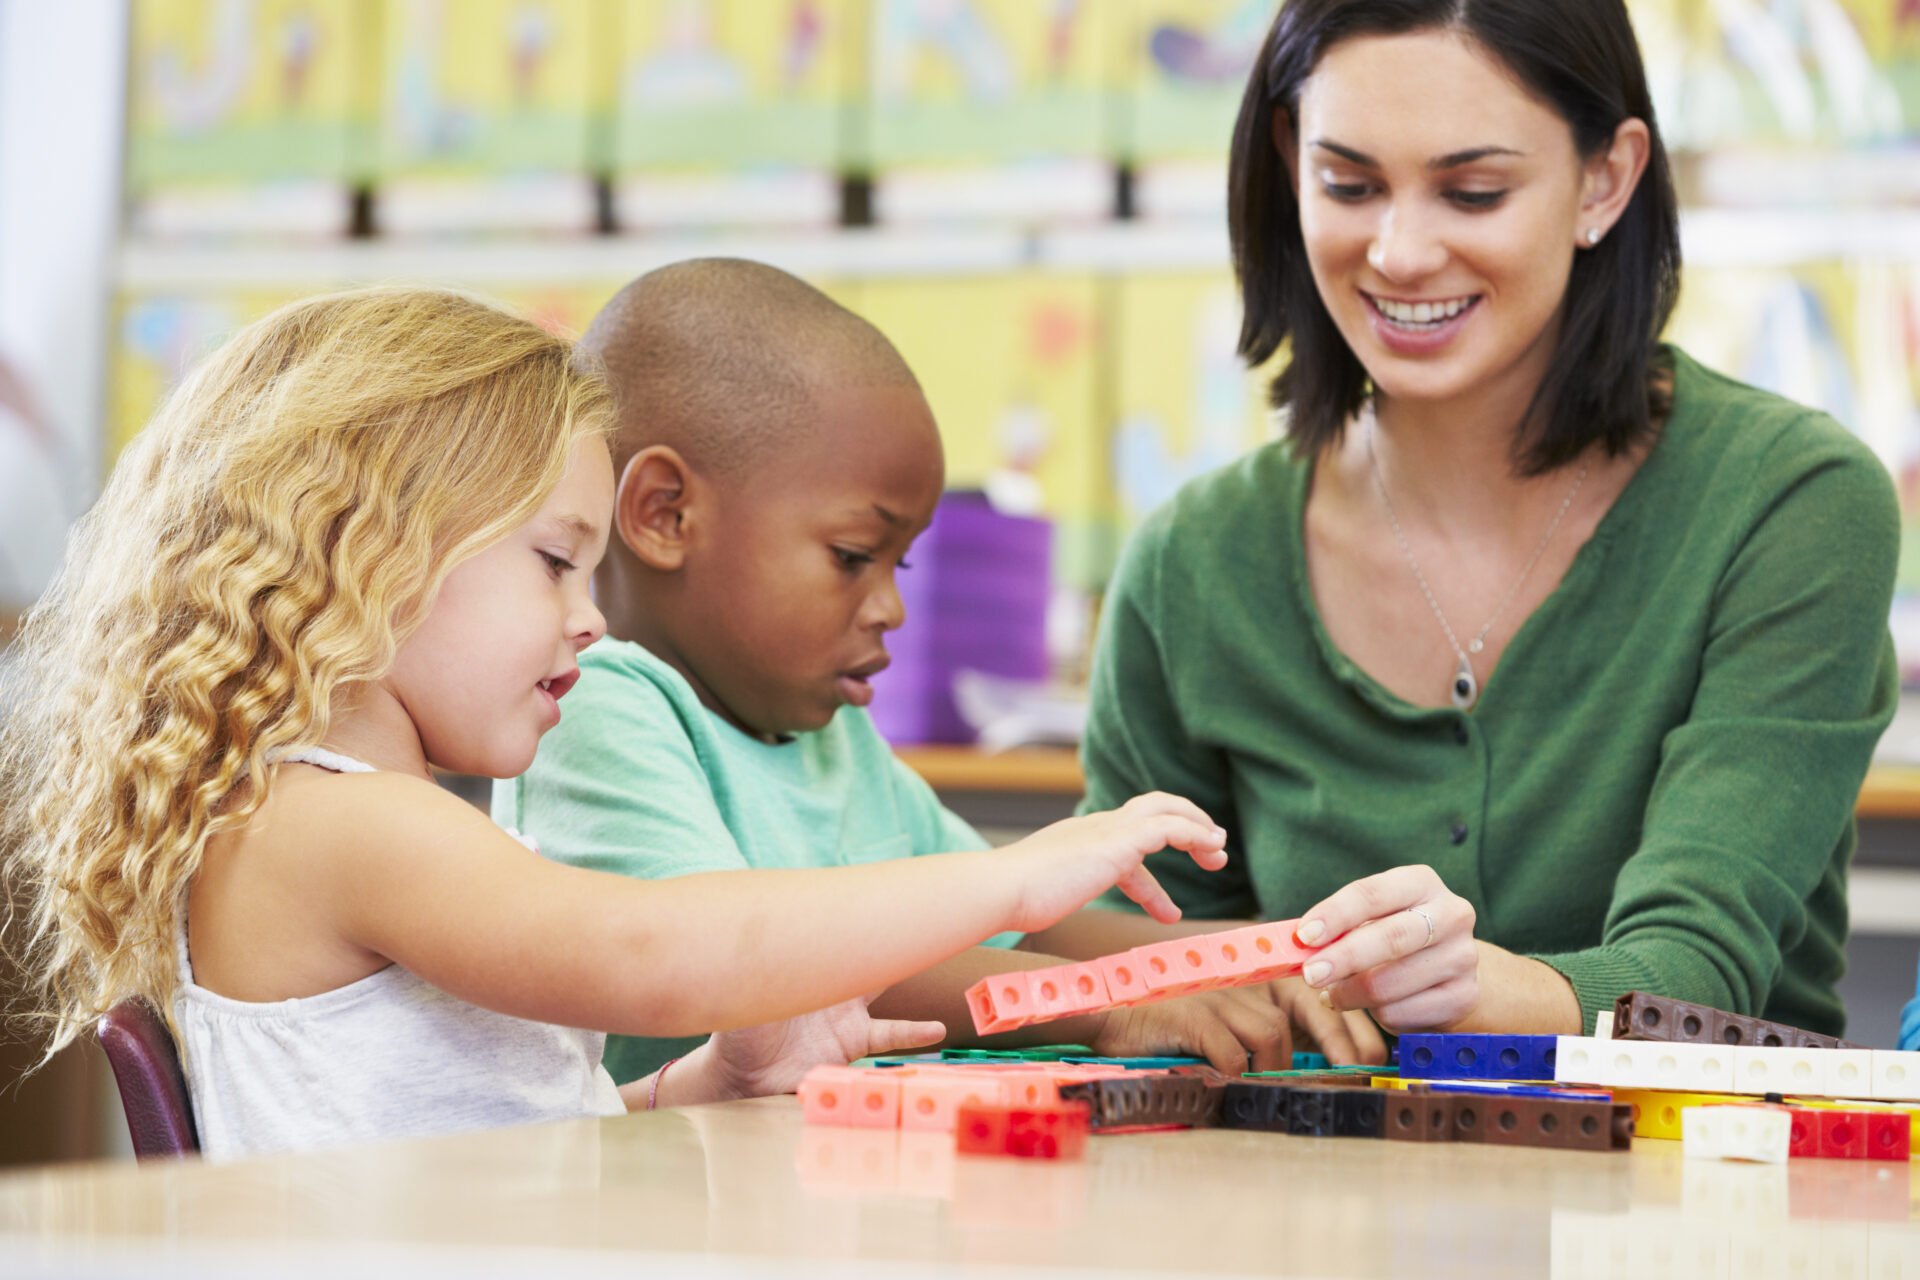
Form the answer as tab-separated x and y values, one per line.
744	1188
1890	791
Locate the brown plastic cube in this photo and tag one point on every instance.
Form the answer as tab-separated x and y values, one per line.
1420	1117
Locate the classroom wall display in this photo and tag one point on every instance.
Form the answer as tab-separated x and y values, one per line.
1012	365
158	336
720	84
1737	72
269	98
989	80
1185	68
1183	404
734	111
492	112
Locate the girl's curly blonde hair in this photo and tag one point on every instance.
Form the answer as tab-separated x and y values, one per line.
271	538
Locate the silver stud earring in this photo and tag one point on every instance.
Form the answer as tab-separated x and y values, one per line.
1593	236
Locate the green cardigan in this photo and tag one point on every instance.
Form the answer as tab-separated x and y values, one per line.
1656	789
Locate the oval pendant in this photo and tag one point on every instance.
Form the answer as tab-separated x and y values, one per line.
1465	690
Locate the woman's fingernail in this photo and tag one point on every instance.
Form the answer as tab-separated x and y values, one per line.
1311	932
1220	834
1316	973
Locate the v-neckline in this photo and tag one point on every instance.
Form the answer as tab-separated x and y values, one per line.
1586	563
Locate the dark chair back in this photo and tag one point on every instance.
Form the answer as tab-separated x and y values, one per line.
146	1066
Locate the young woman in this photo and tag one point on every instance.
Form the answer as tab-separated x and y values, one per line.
1539	663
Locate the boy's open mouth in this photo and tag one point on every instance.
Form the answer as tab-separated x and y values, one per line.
856	683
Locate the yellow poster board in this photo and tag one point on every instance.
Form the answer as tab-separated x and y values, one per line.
1186	67
734	84
991	81
1183	404
1010	366
252	90
487	87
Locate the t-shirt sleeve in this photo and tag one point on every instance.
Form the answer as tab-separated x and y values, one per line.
1137	740
1756	788
618	786
934	828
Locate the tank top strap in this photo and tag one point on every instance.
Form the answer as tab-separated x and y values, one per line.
320	757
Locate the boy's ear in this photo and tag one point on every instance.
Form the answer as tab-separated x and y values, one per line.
650	507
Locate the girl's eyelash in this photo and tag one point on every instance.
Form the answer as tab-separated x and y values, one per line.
555	564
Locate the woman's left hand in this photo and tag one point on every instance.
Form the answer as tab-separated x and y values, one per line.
1399	944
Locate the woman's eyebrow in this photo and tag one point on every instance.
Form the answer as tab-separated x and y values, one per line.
1452	160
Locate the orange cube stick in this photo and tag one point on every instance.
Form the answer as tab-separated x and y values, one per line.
1179	967
1067	989
851	1097
1000	1002
1126	980
1259	953
932	1099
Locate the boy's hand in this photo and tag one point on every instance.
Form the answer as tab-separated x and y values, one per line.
1243	1029
1346	1038
1070	863
755	1062
1227	1028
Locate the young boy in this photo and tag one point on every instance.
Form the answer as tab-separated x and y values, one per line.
775	462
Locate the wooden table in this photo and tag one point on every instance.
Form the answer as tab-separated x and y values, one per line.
1890	791
743	1188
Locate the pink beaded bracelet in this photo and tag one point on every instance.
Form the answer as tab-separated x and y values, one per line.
653	1090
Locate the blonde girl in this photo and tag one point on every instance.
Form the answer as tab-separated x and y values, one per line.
354	547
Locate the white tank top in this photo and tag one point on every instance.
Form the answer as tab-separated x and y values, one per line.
389	1056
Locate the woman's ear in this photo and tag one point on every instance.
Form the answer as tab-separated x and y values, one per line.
1611	179
1287	144
651	507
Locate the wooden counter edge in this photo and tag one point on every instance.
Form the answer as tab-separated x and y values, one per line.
1890	791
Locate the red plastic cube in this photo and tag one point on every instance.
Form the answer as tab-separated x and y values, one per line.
1034	1133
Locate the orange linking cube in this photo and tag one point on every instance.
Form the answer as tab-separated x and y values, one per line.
1160	971
1045	1133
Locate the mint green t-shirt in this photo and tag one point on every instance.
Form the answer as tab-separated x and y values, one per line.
641	779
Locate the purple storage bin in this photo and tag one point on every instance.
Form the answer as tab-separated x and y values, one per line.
976	599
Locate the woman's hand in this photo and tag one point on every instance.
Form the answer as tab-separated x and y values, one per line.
1067	865
1399	944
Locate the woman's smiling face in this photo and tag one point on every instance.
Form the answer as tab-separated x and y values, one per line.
1440	205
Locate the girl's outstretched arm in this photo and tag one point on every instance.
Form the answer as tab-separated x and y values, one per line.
416	875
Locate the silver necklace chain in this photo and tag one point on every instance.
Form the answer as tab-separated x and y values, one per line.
1465	687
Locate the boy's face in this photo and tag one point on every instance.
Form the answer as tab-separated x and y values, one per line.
792	592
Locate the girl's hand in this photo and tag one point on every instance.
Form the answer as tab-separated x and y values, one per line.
1347	1037
1399	944
755	1062
1067	865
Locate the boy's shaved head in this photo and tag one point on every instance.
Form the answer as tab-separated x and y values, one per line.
721	359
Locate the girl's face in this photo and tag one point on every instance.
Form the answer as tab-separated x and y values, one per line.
1441	205
483	676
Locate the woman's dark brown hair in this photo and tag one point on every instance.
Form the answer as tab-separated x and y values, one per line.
1580	58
